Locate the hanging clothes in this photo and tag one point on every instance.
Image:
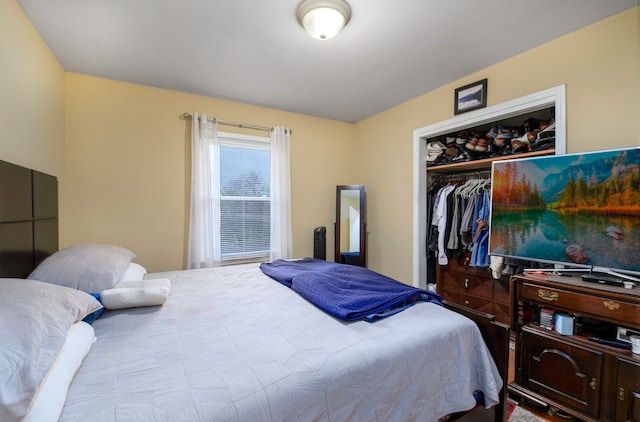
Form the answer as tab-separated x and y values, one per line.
480	253
431	241
459	220
440	220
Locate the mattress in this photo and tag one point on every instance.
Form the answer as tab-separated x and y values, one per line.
231	344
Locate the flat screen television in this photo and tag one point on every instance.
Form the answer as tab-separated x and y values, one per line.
578	210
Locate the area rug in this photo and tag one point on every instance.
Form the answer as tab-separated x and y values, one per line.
516	413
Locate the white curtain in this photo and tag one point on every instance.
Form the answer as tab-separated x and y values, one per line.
281	238
204	223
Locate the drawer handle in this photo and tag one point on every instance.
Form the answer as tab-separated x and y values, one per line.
621	394
611	305
466	283
593	384
466	302
548	295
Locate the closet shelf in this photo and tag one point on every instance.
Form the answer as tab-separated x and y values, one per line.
484	163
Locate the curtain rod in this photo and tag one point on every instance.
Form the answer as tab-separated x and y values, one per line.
186	116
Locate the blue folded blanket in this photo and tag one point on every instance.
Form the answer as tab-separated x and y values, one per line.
347	292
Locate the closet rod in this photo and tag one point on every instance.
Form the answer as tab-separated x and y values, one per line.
186	116
463	175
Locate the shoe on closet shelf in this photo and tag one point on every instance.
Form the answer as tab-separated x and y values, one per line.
469	155
506	149
503	138
442	160
545	139
434	151
550	128
531	124
505	131
523	139
483	144
493	132
518	146
493	149
452	152
471	145
543	144
545	124
462	137
461	158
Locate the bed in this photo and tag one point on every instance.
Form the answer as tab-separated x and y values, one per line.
232	344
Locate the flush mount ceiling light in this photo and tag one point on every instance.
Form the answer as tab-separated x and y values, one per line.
323	19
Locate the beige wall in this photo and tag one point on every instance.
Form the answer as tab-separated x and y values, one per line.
31	96
127	172
121	152
599	64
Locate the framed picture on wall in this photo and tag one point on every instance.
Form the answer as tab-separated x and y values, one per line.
470	97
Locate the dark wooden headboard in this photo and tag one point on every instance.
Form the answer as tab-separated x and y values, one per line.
28	219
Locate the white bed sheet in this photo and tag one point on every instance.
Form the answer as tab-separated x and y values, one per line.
231	344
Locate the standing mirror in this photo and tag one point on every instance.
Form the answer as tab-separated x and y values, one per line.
350	226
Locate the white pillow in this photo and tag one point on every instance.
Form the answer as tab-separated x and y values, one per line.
89	267
134	294
134	272
50	397
35	318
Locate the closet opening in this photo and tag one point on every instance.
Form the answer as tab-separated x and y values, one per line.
538	106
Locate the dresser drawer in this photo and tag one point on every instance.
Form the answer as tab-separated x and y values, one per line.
461	263
468	284
502	313
501	291
479	304
613	310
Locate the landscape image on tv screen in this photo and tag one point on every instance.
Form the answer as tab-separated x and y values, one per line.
577	209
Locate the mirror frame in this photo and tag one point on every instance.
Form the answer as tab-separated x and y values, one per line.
363	224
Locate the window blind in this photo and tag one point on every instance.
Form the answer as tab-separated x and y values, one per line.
244	198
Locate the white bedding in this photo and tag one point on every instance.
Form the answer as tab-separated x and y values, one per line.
231	344
50	396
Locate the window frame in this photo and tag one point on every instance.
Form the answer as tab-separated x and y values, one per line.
250	142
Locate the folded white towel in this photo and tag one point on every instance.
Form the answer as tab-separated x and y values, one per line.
133	294
497	266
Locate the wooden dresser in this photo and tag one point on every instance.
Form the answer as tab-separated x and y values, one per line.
475	288
588	380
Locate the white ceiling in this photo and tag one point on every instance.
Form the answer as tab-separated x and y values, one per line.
255	52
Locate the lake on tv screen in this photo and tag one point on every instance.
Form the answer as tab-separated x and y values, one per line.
582	209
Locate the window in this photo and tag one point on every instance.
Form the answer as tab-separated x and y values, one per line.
245	196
